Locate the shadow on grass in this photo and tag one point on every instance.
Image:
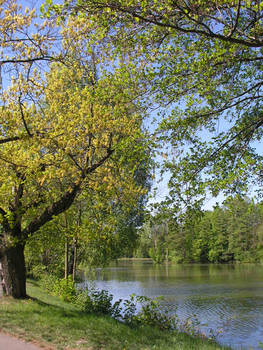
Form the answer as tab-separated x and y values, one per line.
33	281
65	310
51	320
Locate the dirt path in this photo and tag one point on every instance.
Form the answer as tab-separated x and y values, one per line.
7	342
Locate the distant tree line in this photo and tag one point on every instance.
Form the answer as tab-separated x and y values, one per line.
232	232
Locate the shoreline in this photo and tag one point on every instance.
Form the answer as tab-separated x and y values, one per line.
47	320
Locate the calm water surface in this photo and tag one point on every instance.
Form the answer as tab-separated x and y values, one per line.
227	297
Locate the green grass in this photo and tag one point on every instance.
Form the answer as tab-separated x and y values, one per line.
52	322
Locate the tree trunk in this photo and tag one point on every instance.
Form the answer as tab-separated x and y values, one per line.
66	273
167	242
1	281
14	271
167	254
75	261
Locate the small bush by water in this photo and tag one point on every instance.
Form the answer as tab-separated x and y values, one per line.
60	325
135	311
61	287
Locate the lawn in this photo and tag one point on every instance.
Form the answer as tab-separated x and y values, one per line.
55	324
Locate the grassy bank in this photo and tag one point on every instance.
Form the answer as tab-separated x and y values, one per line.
49	321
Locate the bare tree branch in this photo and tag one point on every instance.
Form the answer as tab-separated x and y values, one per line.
23	116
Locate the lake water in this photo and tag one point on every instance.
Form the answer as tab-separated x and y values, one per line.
227	297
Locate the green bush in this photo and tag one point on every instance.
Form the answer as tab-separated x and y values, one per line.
136	311
61	287
36	271
151	313
48	282
129	310
65	289
98	301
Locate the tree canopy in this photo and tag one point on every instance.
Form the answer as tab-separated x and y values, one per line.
68	117
205	62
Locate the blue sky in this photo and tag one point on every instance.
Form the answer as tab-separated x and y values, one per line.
162	188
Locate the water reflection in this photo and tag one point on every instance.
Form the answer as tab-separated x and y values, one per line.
224	296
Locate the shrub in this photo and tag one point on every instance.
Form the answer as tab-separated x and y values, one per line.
36	271
61	287
98	301
136	311
129	310
65	289
151	313
48	282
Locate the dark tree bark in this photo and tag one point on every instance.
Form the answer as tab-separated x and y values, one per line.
14	271
1	281
72	262
75	261
66	264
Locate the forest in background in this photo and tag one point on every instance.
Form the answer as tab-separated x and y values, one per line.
229	233
232	232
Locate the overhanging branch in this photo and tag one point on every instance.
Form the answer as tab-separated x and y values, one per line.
65	200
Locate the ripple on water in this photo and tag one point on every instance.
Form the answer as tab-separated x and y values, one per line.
224	297
239	319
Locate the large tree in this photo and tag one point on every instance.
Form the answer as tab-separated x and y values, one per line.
207	71
61	123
